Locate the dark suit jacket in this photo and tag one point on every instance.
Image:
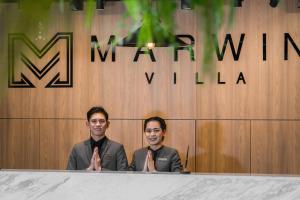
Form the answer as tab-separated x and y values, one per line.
113	156
167	160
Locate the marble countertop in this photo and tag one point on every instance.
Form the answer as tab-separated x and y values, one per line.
53	185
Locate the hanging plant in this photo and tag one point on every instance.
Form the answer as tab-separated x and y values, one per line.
155	19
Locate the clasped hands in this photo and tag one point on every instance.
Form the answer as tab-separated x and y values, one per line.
149	165
95	161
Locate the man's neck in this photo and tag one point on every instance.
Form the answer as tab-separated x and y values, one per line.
97	138
155	147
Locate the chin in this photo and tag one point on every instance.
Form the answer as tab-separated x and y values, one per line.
99	134
153	143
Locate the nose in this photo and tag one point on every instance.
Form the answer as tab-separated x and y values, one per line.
98	123
152	133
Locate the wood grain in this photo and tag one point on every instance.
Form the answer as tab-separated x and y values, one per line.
271	92
57	138
275	147
20	144
223	146
128	133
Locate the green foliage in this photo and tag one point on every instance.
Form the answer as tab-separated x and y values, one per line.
90	7
154	17
32	12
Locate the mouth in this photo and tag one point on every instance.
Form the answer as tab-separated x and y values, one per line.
152	139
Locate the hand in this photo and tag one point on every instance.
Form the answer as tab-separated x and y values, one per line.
145	169
95	161
92	164
150	163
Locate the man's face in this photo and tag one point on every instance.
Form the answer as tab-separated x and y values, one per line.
97	125
154	133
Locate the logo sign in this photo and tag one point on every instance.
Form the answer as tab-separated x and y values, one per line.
17	79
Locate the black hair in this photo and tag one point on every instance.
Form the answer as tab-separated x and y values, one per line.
94	110
160	120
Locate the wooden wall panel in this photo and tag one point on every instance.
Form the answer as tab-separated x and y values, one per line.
181	134
268	82
20	143
271	91
57	138
2	141
275	147
121	86
223	146
128	133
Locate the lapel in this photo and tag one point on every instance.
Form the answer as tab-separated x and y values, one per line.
107	145
88	150
143	160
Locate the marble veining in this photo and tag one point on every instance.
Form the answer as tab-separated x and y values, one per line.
50	185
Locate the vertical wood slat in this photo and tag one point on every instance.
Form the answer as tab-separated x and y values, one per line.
275	147
128	133
20	143
57	138
223	146
2	142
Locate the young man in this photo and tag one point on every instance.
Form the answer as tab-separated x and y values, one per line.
155	157
98	152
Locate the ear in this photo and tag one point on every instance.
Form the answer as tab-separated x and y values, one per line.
107	124
87	124
163	136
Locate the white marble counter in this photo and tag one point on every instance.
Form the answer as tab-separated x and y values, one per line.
64	185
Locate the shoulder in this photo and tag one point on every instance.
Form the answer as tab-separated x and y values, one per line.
140	151
170	150
82	144
115	146
114	143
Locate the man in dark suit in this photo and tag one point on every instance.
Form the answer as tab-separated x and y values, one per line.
155	157
98	152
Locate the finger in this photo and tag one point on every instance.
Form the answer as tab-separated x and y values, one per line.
148	153
97	158
94	153
150	156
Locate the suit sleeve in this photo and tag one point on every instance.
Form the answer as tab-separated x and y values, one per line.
132	166
175	163
72	160
122	163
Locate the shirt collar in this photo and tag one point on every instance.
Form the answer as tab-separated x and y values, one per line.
98	143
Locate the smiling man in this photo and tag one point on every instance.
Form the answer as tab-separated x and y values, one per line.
155	157
98	152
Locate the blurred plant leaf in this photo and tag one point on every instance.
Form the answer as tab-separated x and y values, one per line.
90	10
154	17
157	22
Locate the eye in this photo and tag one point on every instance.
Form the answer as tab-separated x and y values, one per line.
154	130
148	130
